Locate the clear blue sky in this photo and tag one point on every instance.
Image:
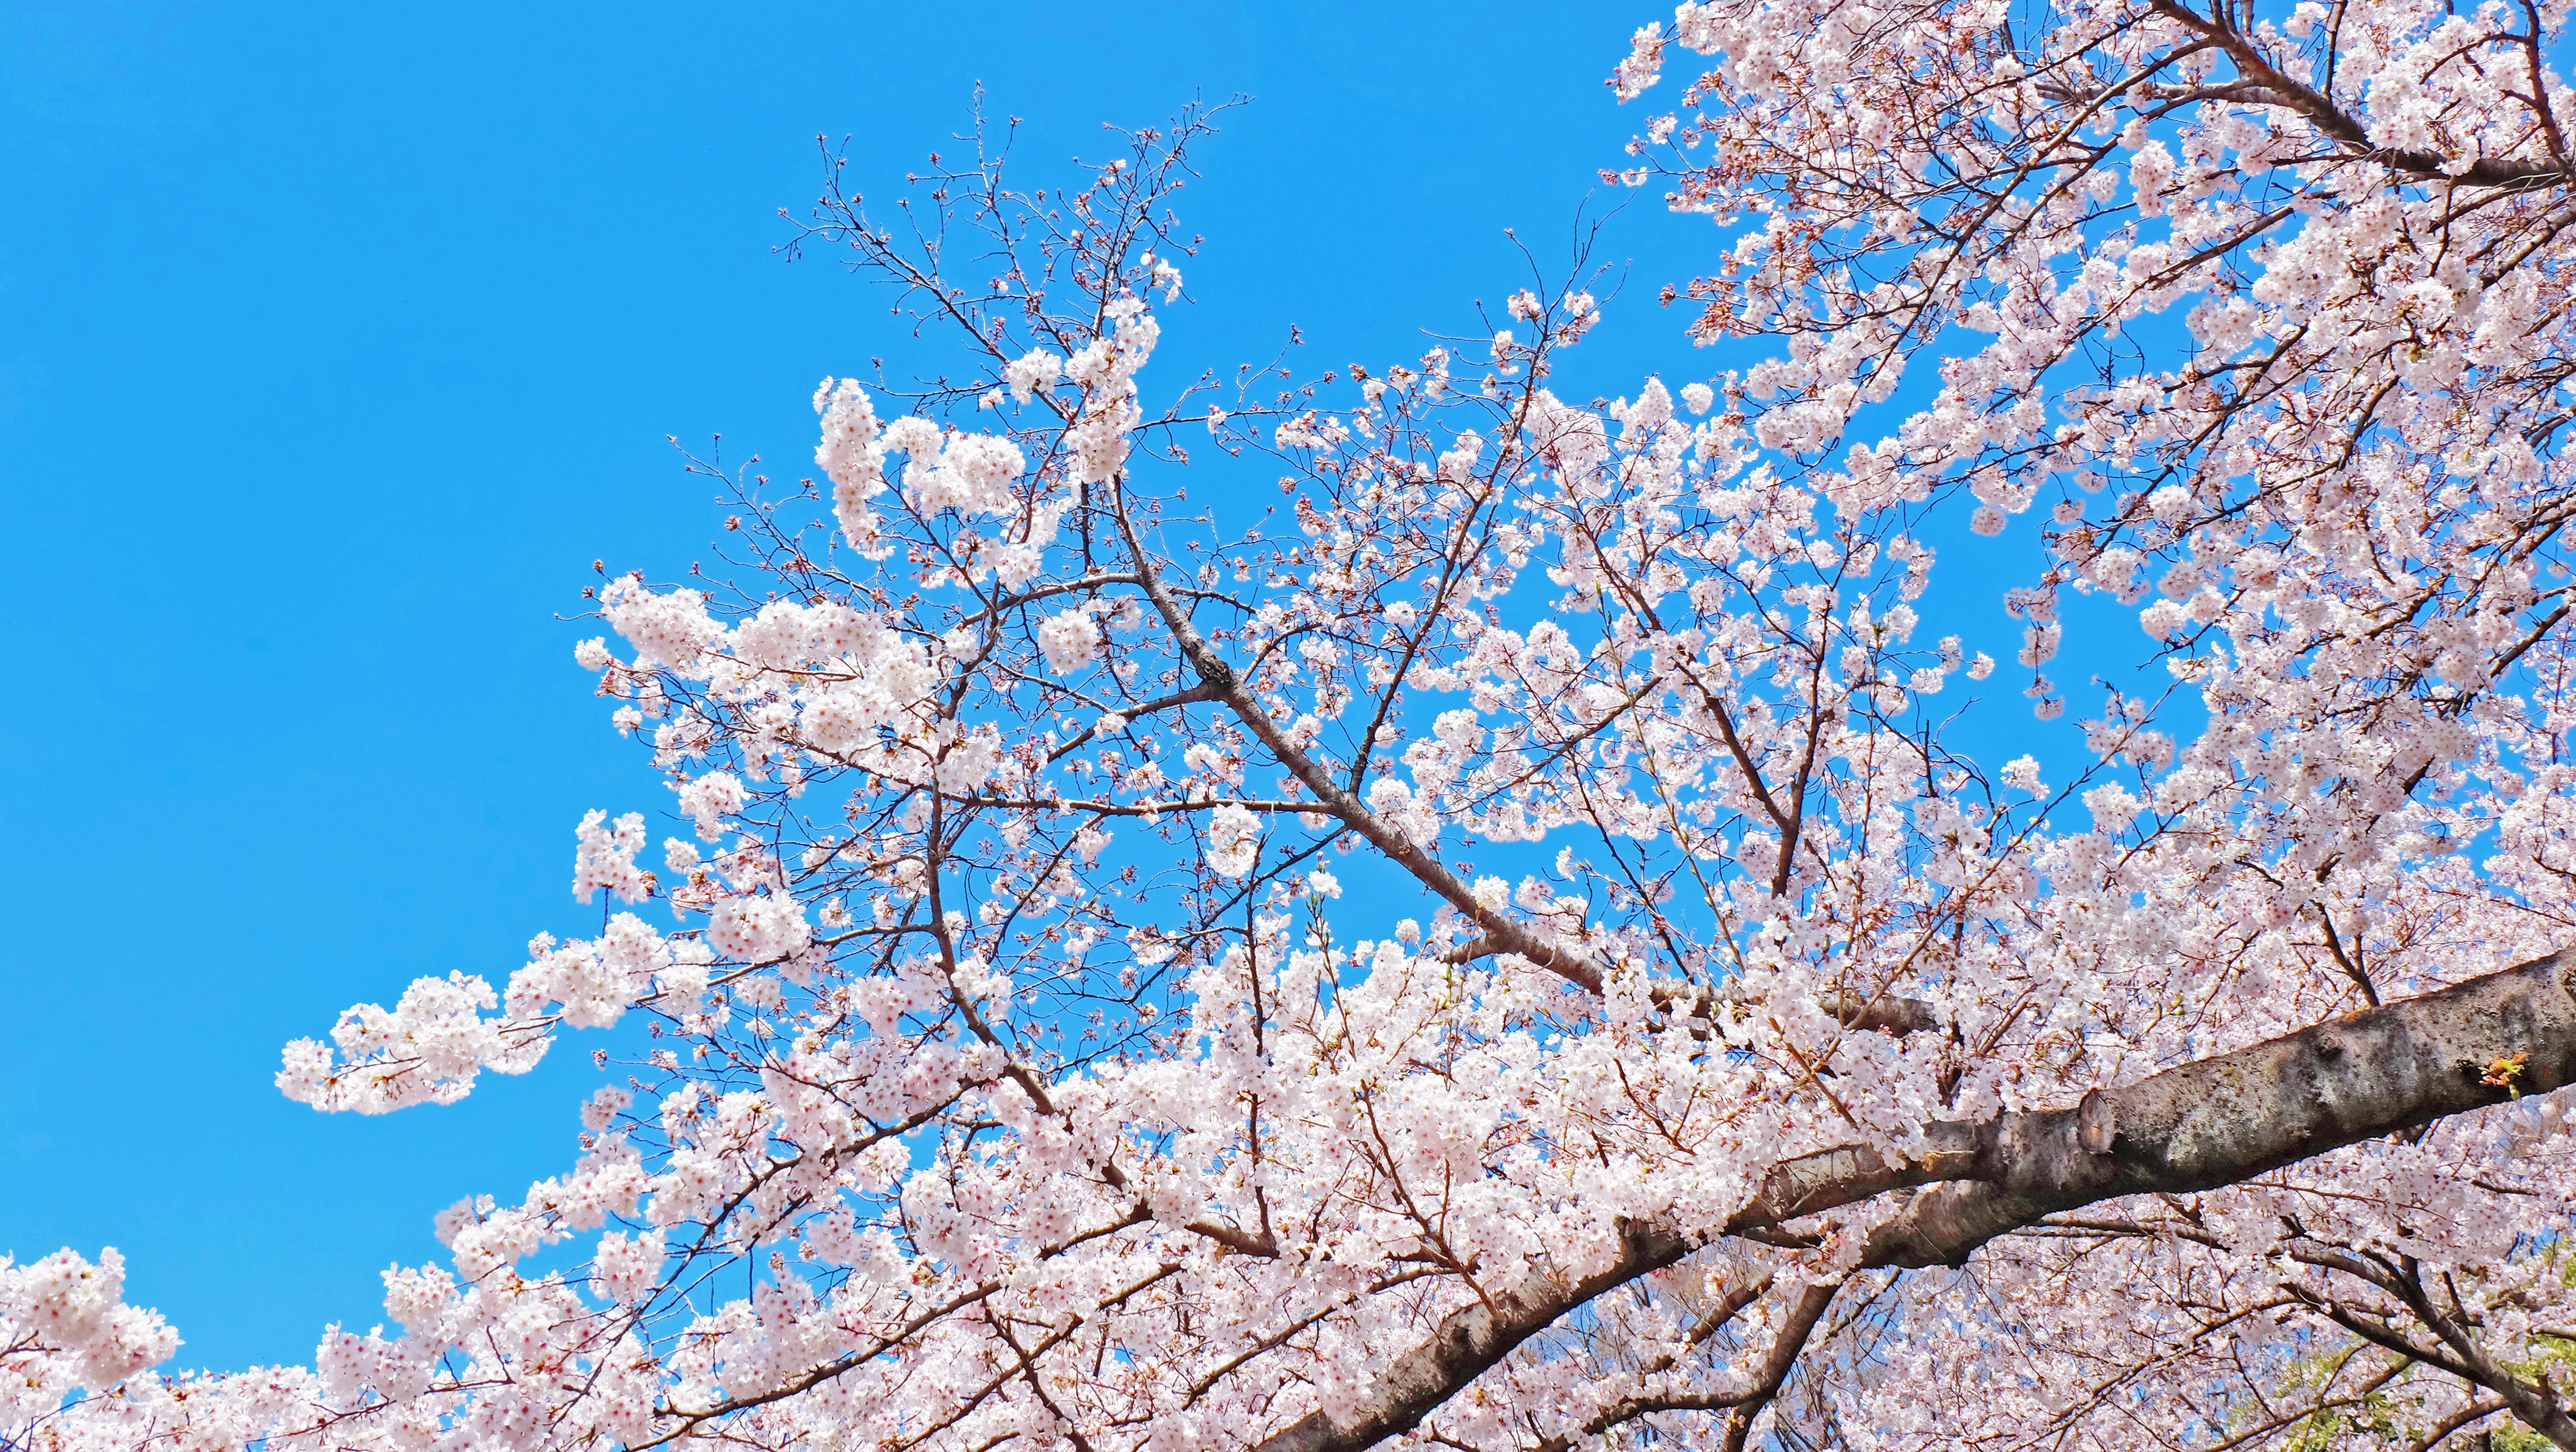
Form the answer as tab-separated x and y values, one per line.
335	342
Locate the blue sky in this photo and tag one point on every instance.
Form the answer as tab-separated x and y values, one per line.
335	343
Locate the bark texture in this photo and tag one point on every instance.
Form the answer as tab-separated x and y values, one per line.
2198	1127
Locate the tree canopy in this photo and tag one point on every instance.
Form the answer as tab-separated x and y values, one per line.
1395	907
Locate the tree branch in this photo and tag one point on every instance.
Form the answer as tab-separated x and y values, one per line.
2198	1127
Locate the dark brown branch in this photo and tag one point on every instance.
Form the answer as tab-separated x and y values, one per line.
2473	1412
1744	1402
2198	1127
2267	85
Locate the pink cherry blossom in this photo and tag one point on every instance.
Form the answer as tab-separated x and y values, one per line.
1542	941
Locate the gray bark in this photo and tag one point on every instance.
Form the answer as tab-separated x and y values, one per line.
2198	1127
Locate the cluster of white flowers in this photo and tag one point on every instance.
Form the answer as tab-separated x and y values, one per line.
1234	840
851	456
1069	639
426	1050
1035	371
592	982
65	1327
668	631
1105	368
710	799
607	859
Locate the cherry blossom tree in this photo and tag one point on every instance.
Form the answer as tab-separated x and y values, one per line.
1484	929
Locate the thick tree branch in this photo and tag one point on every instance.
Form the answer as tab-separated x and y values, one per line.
2267	85
2224	1119
2198	1127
